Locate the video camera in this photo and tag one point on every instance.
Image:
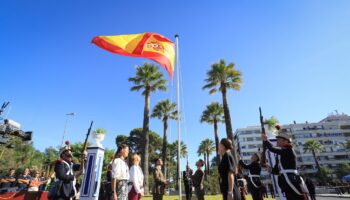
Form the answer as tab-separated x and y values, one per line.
11	129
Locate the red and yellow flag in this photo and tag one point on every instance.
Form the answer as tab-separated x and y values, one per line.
147	45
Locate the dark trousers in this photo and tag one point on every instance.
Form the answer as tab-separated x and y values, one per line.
256	195
312	196
293	196
157	196
188	190
199	193
224	196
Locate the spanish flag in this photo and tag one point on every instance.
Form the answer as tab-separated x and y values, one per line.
147	45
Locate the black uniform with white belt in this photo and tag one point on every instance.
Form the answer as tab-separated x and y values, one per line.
285	167
254	182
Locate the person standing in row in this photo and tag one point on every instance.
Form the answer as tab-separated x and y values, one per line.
24	180
197	180
227	171
285	167
159	181
188	182
311	187
254	182
9	180
136	190
35	183
120	173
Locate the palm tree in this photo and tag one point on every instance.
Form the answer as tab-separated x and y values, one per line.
224	77
165	110
314	147
206	148
148	79
214	114
183	154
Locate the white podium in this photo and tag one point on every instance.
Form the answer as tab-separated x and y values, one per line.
90	186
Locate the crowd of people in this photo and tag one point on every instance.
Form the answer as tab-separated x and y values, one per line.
26	181
126	181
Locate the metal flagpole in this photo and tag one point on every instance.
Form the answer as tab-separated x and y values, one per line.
178	116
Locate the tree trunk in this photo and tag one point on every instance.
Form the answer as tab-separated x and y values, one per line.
216	142
165	142
205	164
228	124
145	133
208	164
316	162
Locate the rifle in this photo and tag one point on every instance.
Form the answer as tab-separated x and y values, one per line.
263	154
82	165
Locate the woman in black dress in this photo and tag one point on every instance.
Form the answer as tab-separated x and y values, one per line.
227	170
254	182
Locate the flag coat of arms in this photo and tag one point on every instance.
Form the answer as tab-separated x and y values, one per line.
146	45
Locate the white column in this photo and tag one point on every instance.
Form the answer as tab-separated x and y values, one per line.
90	186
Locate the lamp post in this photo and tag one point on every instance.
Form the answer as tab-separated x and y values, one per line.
65	127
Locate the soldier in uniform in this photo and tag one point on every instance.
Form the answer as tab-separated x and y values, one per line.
66	172
188	182
254	182
288	180
159	181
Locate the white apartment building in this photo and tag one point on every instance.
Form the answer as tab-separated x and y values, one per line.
332	132
248	141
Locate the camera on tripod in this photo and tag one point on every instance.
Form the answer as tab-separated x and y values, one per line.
10	129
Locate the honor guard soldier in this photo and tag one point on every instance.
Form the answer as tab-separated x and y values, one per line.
160	182
289	179
66	173
254	183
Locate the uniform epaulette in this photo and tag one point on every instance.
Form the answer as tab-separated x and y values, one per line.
58	161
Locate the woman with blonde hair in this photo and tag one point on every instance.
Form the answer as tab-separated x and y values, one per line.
136	180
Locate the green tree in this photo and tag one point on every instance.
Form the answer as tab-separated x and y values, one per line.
214	114
347	146
122	139
224	76
206	148
51	155
108	157
173	150
314	147
324	174
148	79
165	110
342	169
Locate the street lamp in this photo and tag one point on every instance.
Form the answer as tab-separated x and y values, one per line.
65	127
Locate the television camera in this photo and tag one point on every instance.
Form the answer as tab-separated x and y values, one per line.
10	129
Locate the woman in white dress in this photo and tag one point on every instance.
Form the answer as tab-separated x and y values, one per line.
120	174
136	180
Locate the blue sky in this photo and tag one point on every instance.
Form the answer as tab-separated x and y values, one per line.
293	56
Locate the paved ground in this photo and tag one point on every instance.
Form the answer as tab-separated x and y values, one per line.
333	198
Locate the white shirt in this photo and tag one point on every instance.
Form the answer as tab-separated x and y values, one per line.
120	169
136	177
